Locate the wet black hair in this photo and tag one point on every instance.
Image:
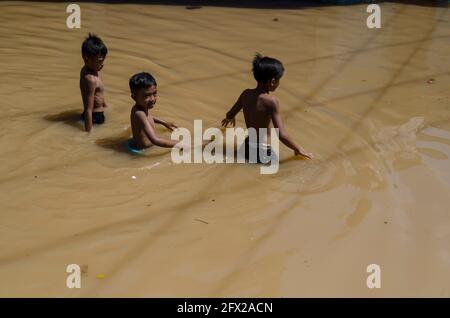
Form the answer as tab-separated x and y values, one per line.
265	68
93	46
141	80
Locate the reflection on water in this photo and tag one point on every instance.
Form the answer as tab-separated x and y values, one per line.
360	99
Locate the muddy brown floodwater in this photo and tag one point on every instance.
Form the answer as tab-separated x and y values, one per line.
373	105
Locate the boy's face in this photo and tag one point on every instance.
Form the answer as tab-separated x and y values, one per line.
94	62
146	97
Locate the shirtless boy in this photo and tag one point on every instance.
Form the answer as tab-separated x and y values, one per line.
261	109
94	52
144	92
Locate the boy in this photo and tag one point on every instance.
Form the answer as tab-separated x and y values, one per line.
261	109
144	92
93	51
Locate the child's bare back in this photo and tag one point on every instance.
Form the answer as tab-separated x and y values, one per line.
257	108
262	110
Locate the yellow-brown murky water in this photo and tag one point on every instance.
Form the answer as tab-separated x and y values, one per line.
377	192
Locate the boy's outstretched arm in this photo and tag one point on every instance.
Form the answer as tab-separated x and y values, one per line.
169	125
283	135
151	134
229	118
89	102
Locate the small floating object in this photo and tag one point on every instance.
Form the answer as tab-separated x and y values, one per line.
100	276
430	81
275	19
152	166
133	177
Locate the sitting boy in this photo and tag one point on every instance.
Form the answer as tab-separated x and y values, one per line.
144	92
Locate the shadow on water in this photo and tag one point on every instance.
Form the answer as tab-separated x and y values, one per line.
68	117
260	4
117	143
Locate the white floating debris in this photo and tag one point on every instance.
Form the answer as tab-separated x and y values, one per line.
133	177
150	166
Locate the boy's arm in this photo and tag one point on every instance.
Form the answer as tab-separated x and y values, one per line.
229	118
167	124
89	102
274	106
151	134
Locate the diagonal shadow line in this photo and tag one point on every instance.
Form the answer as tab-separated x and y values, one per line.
69	240
210	49
373	48
371	145
80	236
153	237
352	53
386	87
284	212
208	186
152	234
383	91
326	80
139	249
355	53
264	237
205	78
368	91
308	101
257	243
228	74
362	50
146	217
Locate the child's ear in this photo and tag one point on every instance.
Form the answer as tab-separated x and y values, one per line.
273	81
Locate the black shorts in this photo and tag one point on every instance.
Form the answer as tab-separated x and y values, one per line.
98	118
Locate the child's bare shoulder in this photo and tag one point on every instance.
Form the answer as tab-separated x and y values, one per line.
246	92
139	114
268	100
89	79
136	111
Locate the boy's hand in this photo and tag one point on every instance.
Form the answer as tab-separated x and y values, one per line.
301	152
170	125
227	121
